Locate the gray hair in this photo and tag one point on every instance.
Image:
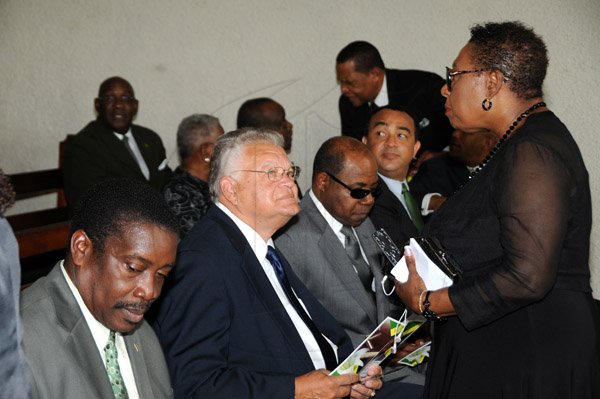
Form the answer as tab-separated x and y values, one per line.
193	131
228	150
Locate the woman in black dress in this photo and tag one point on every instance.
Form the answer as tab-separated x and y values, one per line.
521	322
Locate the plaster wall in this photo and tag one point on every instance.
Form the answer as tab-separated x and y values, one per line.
209	56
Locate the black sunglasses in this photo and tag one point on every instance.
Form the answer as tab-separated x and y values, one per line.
357	193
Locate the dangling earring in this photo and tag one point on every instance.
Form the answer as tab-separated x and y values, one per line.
207	159
486	104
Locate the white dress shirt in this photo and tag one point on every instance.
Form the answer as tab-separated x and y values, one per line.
382	98
259	246
100	334
136	151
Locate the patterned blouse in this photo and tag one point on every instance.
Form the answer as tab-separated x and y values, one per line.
188	197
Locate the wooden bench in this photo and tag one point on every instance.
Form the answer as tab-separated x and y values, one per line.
42	235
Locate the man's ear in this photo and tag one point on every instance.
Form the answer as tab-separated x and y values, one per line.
97	105
417	147
321	181
80	247
377	72
228	189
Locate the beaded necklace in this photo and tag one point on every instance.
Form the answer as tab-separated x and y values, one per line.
505	136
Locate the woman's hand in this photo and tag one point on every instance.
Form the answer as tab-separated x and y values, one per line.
410	291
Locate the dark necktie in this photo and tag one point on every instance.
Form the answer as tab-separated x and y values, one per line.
326	349
128	146
414	211
353	250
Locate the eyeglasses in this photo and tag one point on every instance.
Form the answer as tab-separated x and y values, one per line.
276	174
357	193
450	75
114	99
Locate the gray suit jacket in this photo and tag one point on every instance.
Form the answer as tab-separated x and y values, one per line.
61	353
320	261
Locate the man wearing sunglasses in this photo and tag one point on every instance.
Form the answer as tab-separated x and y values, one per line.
329	243
393	140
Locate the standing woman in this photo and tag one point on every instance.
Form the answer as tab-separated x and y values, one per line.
521	323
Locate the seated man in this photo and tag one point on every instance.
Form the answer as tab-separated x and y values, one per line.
13	370
112	146
393	139
265	113
439	177
329	243
236	321
187	191
84	331
366	85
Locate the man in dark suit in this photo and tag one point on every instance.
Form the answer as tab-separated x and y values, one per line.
439	177
366	85
232	324
112	146
84	332
392	138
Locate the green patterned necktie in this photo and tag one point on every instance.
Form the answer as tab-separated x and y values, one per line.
414	211
112	368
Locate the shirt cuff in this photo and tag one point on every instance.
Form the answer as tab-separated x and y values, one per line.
425	203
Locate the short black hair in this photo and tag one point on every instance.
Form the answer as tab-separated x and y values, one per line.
516	51
331	156
250	113
105	209
407	109
364	54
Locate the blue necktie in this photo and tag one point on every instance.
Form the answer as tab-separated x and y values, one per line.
326	349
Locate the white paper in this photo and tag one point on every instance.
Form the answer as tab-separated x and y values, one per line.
432	276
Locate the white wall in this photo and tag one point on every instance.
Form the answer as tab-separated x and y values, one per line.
191	56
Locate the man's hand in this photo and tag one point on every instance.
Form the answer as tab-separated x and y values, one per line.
318	384
369	385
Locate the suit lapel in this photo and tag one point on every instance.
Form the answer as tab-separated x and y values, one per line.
117	148
340	263
78	341
138	365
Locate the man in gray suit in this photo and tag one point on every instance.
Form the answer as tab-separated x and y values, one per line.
84	332
329	244
333	221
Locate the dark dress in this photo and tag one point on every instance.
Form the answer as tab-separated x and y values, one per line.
527	325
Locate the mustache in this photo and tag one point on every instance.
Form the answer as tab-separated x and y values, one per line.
134	306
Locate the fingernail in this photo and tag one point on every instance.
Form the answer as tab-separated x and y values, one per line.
408	251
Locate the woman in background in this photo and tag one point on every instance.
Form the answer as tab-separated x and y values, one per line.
521	322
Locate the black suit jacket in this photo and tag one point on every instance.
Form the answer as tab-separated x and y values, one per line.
95	154
441	174
223	329
389	213
420	90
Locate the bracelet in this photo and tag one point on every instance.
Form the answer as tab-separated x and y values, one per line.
421	300
428	313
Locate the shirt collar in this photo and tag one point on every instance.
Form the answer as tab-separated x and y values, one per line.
256	242
382	98
335	225
120	136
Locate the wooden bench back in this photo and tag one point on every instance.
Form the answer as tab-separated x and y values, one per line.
42	235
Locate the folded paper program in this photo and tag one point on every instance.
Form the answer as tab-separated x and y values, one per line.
433	277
